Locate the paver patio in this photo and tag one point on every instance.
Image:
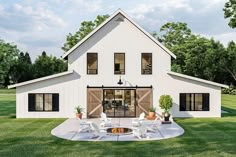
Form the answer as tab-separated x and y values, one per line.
69	130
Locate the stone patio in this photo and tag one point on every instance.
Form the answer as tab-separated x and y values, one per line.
69	130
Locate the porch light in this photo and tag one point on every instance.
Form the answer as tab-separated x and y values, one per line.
120	82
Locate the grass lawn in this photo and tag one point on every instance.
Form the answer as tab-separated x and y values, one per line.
202	137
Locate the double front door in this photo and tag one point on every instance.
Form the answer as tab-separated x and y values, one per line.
119	102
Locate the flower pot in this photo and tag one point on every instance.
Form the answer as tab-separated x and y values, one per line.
151	114
167	118
79	115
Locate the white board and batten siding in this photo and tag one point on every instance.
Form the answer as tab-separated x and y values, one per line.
117	36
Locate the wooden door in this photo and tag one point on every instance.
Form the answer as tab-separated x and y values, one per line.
94	102
143	100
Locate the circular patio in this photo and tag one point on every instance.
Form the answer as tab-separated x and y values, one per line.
70	130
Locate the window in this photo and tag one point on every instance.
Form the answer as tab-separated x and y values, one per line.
119	63
43	102
92	63
194	101
146	63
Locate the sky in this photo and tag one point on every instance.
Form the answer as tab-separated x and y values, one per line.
36	26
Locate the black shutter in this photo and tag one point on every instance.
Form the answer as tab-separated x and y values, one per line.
55	102
205	101
31	102
182	102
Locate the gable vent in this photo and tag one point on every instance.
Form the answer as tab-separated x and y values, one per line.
120	20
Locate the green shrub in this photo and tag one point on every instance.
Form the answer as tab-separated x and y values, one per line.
231	90
152	109
165	102
79	109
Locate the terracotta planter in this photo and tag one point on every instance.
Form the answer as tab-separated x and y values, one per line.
79	115
151	114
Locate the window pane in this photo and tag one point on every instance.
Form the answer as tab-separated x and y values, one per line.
192	102
48	102
146	63
198	102
188	102
39	102
92	63
119	65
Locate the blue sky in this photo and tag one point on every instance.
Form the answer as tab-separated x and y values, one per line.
36	26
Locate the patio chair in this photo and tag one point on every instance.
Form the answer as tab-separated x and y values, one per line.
84	126
97	133
140	131
106	122
152	125
137	121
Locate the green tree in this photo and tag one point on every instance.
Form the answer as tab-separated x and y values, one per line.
85	29
47	65
8	57
196	56
228	61
175	33
174	37
21	70
230	12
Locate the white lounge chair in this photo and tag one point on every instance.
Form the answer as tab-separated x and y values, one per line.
137	121
152	125
97	133
140	131
106	122
84	126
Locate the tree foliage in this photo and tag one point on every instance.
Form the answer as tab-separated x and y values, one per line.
16	66
8	56
22	69
47	65
228	60
85	29
230	12
198	56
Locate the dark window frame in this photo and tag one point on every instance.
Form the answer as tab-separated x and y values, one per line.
142	63
92	53
43	102
180	105
115	63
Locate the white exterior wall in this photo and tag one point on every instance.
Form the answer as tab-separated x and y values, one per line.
132	43
117	37
174	85
63	85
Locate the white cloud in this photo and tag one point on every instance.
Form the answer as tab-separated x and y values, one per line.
225	38
36	26
162	7
88	5
41	16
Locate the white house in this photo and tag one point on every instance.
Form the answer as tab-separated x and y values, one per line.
118	51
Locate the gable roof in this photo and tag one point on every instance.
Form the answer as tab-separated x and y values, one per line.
40	79
197	79
119	11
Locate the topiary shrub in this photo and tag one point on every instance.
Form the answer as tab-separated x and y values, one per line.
165	103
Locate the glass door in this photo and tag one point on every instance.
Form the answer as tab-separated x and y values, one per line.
108	102
119	102
129	103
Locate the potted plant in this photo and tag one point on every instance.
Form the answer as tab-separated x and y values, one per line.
166	103
152	112
79	111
